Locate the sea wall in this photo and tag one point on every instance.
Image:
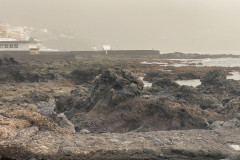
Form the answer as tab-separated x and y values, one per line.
112	53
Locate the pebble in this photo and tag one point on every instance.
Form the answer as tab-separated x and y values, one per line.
235	147
114	140
84	131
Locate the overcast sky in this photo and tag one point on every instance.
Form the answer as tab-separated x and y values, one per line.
169	25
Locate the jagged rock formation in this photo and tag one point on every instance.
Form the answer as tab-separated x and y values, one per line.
114	105
113	87
216	94
219	93
110	88
215	77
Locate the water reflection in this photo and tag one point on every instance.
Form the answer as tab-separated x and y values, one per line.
146	83
192	82
209	62
195	82
234	75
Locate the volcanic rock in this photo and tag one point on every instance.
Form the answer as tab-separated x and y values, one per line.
208	101
6	61
63	122
76	101
232	109
230	124
233	87
81	76
214	77
112	87
16	118
165	82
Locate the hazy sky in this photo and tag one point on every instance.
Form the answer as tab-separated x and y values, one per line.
168	25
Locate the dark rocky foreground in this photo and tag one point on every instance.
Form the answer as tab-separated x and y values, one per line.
100	110
195	144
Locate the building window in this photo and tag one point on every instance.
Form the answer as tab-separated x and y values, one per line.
10	45
15	45
6	45
1	45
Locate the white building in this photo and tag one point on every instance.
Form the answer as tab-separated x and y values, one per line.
14	45
106	47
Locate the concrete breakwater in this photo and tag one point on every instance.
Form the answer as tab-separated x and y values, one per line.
111	53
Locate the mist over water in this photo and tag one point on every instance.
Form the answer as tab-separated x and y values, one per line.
199	26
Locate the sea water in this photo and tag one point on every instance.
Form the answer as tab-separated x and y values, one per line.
208	62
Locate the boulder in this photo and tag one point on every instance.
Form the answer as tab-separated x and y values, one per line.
63	122
45	108
112	87
232	108
216	125
214	77
233	87
209	101
165	82
230	124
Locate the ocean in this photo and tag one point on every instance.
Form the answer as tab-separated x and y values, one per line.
208	62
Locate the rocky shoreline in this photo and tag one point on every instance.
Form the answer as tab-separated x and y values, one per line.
98	108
